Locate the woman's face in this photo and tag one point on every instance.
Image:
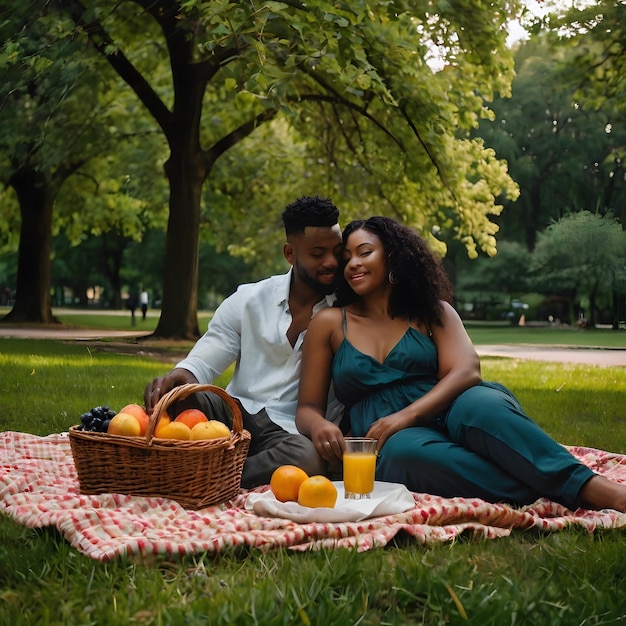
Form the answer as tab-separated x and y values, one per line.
366	263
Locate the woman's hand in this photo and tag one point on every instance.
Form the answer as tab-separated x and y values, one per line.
328	441
389	425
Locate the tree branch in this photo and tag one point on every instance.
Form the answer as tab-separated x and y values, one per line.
337	99
212	154
104	44
431	156
180	45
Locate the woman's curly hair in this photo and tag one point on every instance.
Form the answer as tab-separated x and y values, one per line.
421	282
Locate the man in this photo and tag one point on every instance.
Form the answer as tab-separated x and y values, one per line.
143	301
261	328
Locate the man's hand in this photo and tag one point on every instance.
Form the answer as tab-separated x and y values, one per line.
160	386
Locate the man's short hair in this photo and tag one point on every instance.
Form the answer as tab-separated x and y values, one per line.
309	211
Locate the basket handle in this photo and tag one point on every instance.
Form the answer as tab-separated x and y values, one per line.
181	392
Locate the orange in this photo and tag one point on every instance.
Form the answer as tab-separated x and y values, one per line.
175	430
140	413
191	417
317	491
164	420
211	429
286	481
124	424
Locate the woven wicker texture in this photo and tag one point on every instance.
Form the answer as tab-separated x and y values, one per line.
194	473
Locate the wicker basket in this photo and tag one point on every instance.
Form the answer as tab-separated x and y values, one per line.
194	473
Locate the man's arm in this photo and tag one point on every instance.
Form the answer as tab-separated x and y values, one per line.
210	356
220	345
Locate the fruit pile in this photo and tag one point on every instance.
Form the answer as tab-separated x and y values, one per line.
191	424
96	420
132	421
292	484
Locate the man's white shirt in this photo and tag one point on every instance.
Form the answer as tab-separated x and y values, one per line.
253	322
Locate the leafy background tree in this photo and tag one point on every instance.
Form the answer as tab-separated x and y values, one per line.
597	35
564	157
59	115
358	67
387	111
566	153
486	290
583	254
35	156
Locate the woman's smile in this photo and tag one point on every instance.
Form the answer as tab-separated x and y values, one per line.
356	277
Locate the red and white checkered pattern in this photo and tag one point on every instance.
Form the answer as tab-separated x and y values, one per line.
38	488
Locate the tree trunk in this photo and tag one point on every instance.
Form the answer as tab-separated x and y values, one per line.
179	314
593	316
532	221
616	317
32	295
112	254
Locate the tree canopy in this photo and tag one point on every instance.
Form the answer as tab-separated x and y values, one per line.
61	116
583	253
355	80
565	156
596	33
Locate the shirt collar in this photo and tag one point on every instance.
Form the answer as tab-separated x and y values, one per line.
282	293
282	288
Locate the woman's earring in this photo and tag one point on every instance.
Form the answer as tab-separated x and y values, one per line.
393	279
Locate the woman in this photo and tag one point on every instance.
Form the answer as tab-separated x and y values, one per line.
400	359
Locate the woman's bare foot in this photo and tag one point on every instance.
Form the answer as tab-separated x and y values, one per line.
601	493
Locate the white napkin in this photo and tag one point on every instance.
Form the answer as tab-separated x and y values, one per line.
386	499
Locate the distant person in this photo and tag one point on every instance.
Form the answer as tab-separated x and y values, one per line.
143	301
260	328
401	361
131	303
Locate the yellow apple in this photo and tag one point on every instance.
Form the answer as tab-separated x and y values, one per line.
140	413
124	424
174	430
213	429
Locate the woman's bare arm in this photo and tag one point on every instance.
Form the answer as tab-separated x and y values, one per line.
315	376
459	369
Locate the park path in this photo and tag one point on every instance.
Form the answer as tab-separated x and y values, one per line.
602	357
66	334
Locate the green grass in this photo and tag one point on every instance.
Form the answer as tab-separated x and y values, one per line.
546	335
480	333
569	577
575	404
565	578
113	320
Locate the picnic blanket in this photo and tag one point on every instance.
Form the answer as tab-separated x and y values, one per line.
39	488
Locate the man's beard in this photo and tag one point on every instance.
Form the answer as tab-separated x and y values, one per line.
321	288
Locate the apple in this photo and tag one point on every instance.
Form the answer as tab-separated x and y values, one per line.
212	429
124	424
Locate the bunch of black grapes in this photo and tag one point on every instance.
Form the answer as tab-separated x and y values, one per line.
96	420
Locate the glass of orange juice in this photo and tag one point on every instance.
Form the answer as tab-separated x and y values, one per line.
359	467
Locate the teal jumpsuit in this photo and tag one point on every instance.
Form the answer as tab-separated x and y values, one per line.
483	446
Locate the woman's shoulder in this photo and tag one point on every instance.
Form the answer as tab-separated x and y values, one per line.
328	315
447	312
449	319
325	322
448	309
324	327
